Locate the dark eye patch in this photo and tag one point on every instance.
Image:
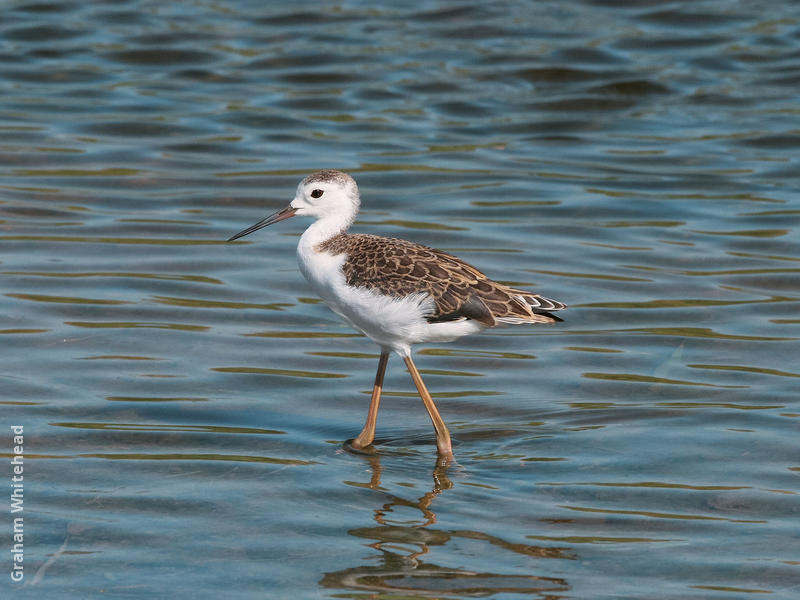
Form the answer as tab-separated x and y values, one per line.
316	193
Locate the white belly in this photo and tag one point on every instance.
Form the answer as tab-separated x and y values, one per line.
393	323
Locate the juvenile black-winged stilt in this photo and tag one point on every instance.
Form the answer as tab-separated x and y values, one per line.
396	292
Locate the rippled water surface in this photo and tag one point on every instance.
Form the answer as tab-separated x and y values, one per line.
184	401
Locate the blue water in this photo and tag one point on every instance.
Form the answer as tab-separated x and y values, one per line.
184	401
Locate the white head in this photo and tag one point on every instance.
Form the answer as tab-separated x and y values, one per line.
328	195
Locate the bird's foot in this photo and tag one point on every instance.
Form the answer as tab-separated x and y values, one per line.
353	446
445	457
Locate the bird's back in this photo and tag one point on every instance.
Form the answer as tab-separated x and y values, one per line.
399	268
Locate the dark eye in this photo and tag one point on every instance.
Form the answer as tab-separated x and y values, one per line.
316	193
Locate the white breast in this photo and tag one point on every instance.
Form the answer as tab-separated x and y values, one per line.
393	323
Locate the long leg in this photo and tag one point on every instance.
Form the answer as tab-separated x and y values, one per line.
442	435
367	434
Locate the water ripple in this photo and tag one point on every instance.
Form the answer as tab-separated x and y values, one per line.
635	160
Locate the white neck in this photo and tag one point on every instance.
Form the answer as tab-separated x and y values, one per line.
325	228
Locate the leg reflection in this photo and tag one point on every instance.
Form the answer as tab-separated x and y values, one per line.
409	546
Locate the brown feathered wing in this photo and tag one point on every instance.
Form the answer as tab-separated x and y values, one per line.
400	268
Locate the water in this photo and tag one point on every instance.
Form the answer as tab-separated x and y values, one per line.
184	401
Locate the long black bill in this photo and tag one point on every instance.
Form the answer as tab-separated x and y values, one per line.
281	215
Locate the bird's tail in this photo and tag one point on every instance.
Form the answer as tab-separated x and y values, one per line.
531	308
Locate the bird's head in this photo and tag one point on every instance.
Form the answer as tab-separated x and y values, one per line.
325	194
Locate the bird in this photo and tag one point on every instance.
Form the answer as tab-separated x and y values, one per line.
396	292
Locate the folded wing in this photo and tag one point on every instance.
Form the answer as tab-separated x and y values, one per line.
459	291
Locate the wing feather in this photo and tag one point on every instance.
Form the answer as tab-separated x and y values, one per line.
459	291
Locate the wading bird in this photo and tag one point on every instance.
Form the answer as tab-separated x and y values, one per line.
396	292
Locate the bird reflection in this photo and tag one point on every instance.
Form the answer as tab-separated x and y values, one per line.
383	515
402	542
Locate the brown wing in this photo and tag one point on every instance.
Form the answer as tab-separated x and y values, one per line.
398	267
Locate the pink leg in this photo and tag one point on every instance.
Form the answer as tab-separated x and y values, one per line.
367	434
443	443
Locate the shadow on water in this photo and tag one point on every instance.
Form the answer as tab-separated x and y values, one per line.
403	540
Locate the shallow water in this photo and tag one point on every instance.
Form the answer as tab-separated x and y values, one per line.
184	401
